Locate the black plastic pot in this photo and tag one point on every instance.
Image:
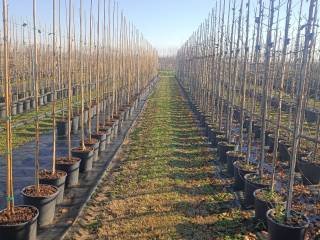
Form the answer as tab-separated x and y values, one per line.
236	114
270	141
239	176
45	205
62	128
21	231
86	157
223	148
40	101
311	115
279	231
14	97
257	131
250	187
115	127
126	113
300	155
120	124
75	124
110	126
72	170
14	109
246	123
2	111
65	93
261	207
50	97
32	103
283	151
274	102
20	107
233	156
310	171
45	99
108	135
26	105
286	106
58	182
131	111
95	145
101	137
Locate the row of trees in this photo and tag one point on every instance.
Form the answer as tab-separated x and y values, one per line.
257	62
90	58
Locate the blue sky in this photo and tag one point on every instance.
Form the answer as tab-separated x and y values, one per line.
165	23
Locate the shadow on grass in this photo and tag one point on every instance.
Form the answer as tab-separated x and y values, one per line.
186	176
189	140
222	229
180	163
208	189
203	208
187	146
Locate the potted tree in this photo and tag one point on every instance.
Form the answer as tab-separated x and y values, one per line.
42	196
288	223
16	222
265	199
83	152
53	176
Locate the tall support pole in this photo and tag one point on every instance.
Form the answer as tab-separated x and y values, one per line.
54	87
83	147
98	72
113	60
281	89
230	85
266	79
10	193
256	57
244	75
69	81
90	77
36	90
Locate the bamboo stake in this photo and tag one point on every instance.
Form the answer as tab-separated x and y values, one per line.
10	193
256	57
264	110
244	82
98	72
54	88
230	75
36	89
83	147
69	81
281	88
90	77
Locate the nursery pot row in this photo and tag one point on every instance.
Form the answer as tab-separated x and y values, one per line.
40	202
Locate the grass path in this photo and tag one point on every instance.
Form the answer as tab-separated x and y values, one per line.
165	185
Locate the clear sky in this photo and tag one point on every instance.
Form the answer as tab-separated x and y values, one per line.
165	23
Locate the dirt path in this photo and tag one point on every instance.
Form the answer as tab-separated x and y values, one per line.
165	185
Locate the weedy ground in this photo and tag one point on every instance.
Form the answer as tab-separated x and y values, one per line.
165	185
